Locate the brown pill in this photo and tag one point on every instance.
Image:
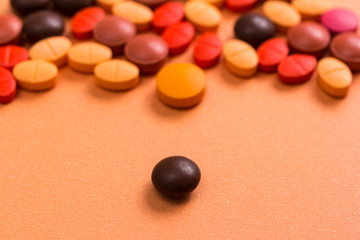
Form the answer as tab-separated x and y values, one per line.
10	29
346	47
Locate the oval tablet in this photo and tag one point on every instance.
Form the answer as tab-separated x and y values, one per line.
283	14
11	55
340	20
271	53
84	22
204	16
36	75
117	75
7	86
53	49
178	37
346	47
181	85
10	30
107	4
334	77
312	9
207	50
166	15
240	5
240	58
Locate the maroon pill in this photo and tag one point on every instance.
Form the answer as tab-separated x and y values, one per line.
10	29
346	47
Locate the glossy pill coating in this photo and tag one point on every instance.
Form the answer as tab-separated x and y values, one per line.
240	5
27	6
340	20
83	57
334	77
167	14
152	3
84	22
271	53
10	29
11	55
117	75
254	29
283	14
7	86
178	37
69	7
312	9
53	49
107	4
240	58
36	75
204	16
207	50
296	68
346	47
176	176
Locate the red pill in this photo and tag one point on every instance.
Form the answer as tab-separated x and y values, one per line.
178	37
271	53
11	55
240	5
207	50
7	86
84	22
166	15
297	68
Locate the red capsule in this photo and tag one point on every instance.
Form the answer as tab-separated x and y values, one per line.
271	53
297	68
178	37
207	50
84	22
167	14
7	86
240	5
11	55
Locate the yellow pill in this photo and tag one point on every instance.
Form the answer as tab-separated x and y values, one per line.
107	4
312	9
137	13
83	57
181	85
204	16
36	75
117	75
240	58
334	77
283	14
53	49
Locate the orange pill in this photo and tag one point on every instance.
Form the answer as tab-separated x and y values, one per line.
181	85
312	9
204	16
283	14
334	77
117	75
53	49
107	4
83	57
36	75
216	3
240	58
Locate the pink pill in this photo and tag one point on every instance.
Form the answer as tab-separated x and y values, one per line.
340	20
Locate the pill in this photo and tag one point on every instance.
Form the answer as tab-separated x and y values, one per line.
346	47
83	57
69	7
166	15
340	20
148	51
309	38
178	37
216	3
7	86
207	50
240	5
11	55
43	24
283	14
10	29
204	16
312	9
240	58
181	85
53	49
84	22
176	176
27	6
137	13
36	75
271	53
117	75
152	3
334	77
254	29
107	4
297	68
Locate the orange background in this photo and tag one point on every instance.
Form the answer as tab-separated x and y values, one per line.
277	161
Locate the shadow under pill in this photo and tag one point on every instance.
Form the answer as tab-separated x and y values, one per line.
325	99
101	93
231	78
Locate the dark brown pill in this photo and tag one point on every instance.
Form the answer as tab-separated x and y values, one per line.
148	51
69	7
10	29
114	32
176	176
151	3
27	6
346	47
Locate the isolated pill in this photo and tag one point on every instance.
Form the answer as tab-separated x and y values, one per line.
207	50
312	9
240	5
283	14
166	15
11	55
271	53
7	86
204	16
84	22
178	37
340	20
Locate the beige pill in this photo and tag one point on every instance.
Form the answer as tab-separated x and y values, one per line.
107	4
83	57
334	77
36	75
312	9
204	16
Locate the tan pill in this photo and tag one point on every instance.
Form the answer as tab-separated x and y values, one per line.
36	75
204	16
312	9
107	4
83	57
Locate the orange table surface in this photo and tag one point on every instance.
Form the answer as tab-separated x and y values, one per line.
277	161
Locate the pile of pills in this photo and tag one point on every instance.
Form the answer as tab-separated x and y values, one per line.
287	37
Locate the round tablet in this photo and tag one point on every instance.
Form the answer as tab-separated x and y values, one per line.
271	53
107	4
254	29
204	16
84	22
148	51
207	50
166	15
181	85
340	20
346	47
297	68
114	32
36	75
283	14
151	3
178	37
11	55
28	6
10	29
7	86
43	24
240	5
70	7
117	75
312	9
334	77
